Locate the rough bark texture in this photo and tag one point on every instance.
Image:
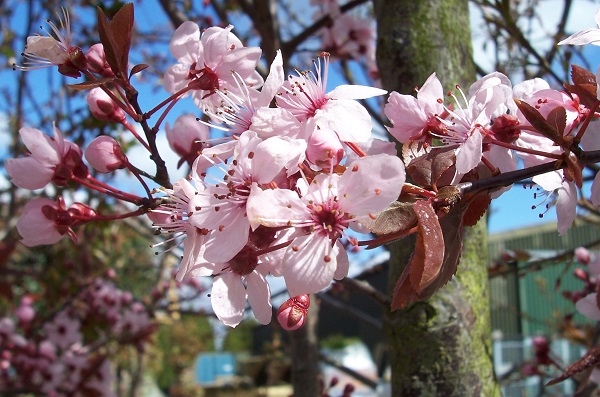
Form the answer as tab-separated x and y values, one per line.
441	347
305	355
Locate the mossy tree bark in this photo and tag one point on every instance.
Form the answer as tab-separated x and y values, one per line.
440	347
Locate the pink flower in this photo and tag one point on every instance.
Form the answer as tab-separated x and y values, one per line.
53	159
231	290
321	216
63	331
304	96
103	107
206	62
413	117
222	207
187	138
44	221
105	154
239	280
54	49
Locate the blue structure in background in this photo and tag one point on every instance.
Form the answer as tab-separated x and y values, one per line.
212	366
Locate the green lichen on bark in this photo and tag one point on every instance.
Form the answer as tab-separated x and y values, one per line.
440	347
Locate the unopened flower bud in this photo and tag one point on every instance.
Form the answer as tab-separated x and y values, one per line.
25	314
582	255
324	148
292	314
105	155
96	60
186	137
581	274
103	107
506	128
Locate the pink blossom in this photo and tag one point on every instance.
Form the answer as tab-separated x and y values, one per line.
222	207
39	222
304	96
63	330
206	62
103	107
45	221
53	159
241	279
105	154
321	216
231	290
350	36
413	117
54	48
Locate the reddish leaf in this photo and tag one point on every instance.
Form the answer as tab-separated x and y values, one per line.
427	165
581	75
427	259
137	68
557	118
539	122
589	360
88	85
399	216
116	38
476	209
404	293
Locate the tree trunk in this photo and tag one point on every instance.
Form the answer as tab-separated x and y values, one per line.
440	347
305	354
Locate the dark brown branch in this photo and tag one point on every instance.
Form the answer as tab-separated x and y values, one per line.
173	13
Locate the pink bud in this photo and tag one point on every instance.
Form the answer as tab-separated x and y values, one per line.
96	60
105	155
103	107
25	314
324	148
186	137
581	274
292	314
582	255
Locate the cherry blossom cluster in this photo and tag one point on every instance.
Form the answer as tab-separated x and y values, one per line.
54	353
299	171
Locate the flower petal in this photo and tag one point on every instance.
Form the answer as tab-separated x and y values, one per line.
228	298
259	297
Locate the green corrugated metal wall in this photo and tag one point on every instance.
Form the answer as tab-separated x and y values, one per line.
530	305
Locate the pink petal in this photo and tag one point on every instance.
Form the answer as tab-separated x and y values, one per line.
588	36
185	43
273	82
309	265
228	298
370	184
259	297
349	119
347	91
20	173
566	206
343	263
595	195
588	307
